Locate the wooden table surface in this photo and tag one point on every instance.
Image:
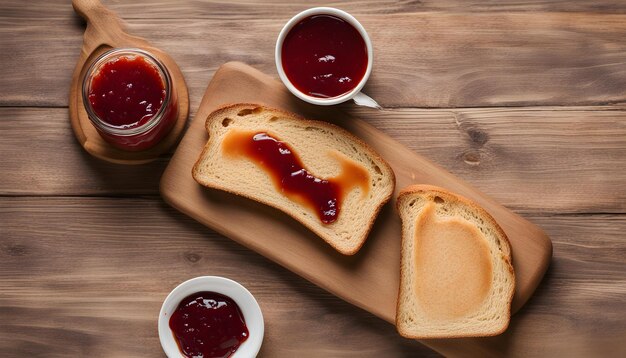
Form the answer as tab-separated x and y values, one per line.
526	100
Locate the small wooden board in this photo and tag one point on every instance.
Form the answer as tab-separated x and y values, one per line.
105	31
369	279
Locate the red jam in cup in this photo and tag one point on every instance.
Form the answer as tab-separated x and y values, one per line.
130	99
324	56
208	324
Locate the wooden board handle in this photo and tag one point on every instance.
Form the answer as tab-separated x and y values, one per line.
99	19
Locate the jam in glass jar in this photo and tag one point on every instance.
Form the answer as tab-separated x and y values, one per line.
129	98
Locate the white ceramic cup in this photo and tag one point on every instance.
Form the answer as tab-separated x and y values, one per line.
356	91
242	297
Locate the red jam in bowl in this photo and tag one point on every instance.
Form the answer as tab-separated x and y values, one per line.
324	56
129	99
208	324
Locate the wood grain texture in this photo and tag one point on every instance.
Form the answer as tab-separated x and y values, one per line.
421	59
94	286
553	159
43	157
245	9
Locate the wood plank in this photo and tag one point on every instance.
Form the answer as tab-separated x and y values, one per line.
424	59
42	157
246	9
59	296
553	159
78	278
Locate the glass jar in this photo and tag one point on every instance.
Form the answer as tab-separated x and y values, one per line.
129	98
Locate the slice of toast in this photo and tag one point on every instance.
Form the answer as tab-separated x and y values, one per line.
325	151
456	277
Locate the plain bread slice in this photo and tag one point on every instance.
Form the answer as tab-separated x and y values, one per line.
456	277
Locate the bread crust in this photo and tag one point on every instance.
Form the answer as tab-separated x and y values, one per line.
216	115
431	191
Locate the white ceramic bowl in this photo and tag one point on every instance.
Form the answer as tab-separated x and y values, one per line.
322	11
244	299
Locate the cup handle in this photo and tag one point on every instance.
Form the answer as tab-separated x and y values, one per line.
361	99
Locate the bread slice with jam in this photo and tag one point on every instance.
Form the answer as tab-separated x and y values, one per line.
315	172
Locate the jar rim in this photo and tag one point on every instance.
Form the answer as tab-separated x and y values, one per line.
117	53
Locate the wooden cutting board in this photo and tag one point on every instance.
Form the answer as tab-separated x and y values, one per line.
370	278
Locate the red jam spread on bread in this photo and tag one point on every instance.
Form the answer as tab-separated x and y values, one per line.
324	56
290	176
127	92
208	324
